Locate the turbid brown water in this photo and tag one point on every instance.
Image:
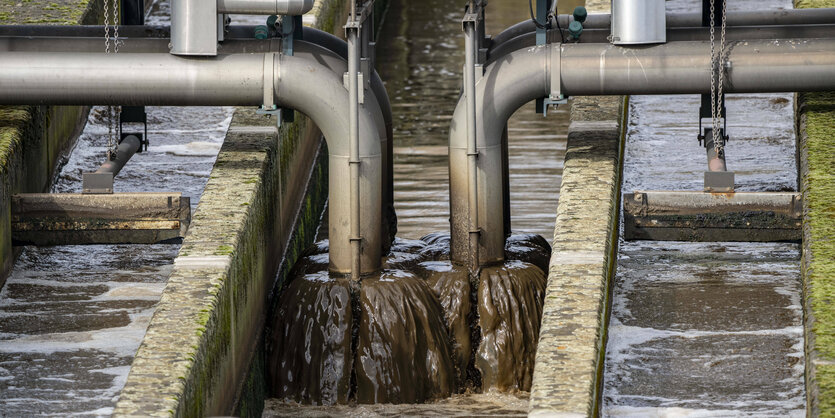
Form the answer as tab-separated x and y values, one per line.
420	330
489	323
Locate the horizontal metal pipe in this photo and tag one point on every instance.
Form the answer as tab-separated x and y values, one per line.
265	7
251	45
738	33
594	69
747	18
126	149
789	65
238	80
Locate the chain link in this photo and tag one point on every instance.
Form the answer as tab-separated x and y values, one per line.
112	112
719	145
716	66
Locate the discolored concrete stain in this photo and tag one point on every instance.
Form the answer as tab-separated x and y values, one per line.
569	358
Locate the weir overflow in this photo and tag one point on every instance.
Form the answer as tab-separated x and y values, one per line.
429	284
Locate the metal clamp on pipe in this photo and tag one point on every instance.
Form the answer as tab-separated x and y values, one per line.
555	97
269	108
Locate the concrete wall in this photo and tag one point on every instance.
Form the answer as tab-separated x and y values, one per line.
33	139
816	170
572	340
203	351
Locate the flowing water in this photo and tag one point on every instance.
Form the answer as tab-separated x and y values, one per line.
72	317
707	329
424	329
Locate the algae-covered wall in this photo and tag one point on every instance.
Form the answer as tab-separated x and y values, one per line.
33	138
816	152
203	351
816	157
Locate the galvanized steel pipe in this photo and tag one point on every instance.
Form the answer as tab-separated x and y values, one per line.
353	161
126	149
604	69
472	150
230	80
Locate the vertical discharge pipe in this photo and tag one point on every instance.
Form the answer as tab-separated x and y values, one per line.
354	161
472	151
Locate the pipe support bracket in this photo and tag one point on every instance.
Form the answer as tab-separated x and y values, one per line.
555	70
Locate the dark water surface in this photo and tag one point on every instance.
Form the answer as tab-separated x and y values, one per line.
72	317
490	326
707	329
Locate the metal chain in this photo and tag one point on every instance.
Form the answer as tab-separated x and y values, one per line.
719	145
111	110
714	121
106	26
716	65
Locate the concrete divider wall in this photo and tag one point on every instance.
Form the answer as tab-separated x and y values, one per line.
33	139
816	172
572	339
202	354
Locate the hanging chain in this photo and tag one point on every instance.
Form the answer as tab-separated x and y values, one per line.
719	145
111	110
716	65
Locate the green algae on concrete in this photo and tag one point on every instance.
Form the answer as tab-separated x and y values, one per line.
572	340
816	172
203	351
33	138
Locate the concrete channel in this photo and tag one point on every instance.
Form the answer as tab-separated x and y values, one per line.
205	302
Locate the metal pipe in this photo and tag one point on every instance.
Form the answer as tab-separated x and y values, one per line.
587	69
762	66
126	149
354	162
715	161
230	80
595	69
788	17
472	150
241	45
265	7
739	33
378	89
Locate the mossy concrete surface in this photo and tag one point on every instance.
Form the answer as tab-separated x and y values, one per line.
572	339
202	354
34	138
816	170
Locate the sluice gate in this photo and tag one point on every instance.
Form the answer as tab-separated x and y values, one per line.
367	271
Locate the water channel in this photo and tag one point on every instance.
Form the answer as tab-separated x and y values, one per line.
707	329
72	317
697	329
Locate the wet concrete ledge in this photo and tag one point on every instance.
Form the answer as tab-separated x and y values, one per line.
34	139
265	190
572	340
262	201
816	153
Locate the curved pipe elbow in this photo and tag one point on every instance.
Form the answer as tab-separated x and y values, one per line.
507	84
318	92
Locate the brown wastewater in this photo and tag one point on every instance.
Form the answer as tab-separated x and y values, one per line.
425	330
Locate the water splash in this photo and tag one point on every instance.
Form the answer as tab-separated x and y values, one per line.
420	330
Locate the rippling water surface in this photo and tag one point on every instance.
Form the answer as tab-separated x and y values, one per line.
72	317
707	329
